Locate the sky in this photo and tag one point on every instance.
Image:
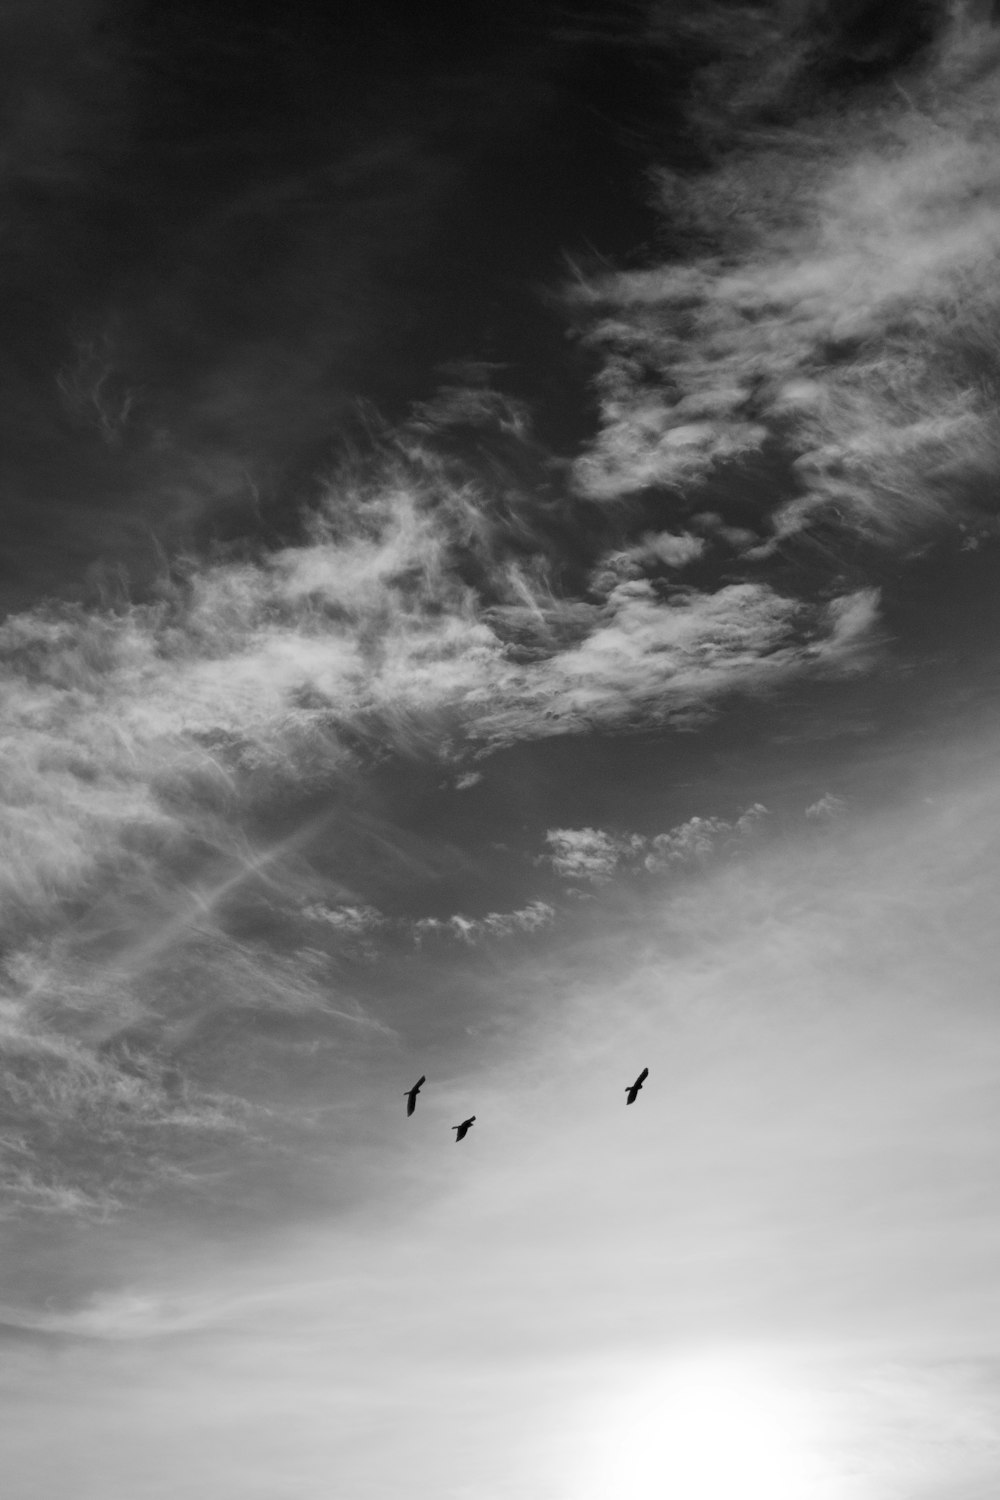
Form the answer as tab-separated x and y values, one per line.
498	583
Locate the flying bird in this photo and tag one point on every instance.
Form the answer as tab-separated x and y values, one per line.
633	1088
463	1129
411	1094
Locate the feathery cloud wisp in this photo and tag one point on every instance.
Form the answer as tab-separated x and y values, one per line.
844	312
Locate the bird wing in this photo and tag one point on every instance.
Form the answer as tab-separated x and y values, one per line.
642	1077
411	1103
420	1081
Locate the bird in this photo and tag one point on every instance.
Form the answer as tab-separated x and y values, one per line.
463	1129
411	1094
633	1088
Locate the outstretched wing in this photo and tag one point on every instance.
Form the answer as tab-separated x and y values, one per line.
633	1089
411	1097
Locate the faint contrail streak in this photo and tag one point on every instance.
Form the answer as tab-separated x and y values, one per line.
203	904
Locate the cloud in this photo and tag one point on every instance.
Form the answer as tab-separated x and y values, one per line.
133	729
585	853
185	772
89	1129
93	390
110	1316
593	855
142	741
837	303
656	549
495	924
828	807
149	745
803	1199
352	921
768	64
652	658
474	404
700	837
676	550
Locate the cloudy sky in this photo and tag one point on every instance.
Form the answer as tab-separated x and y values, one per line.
498	582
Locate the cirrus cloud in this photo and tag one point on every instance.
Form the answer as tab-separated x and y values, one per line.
837	302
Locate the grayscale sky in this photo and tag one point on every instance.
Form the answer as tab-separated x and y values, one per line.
498	581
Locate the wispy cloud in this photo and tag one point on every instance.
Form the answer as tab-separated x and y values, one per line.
144	744
126	731
837	301
588	854
650	657
700	837
495	924
828	806
350	920
183	892
595	855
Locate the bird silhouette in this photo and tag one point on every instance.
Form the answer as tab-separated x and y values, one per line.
633	1088
463	1129
411	1094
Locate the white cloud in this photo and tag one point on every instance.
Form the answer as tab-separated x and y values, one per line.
593	855
138	743
847	308
496	924
828	806
649	659
672	549
144	725
586	853
530	918
700	837
351	921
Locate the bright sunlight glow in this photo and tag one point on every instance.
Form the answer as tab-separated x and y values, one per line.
719	1427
